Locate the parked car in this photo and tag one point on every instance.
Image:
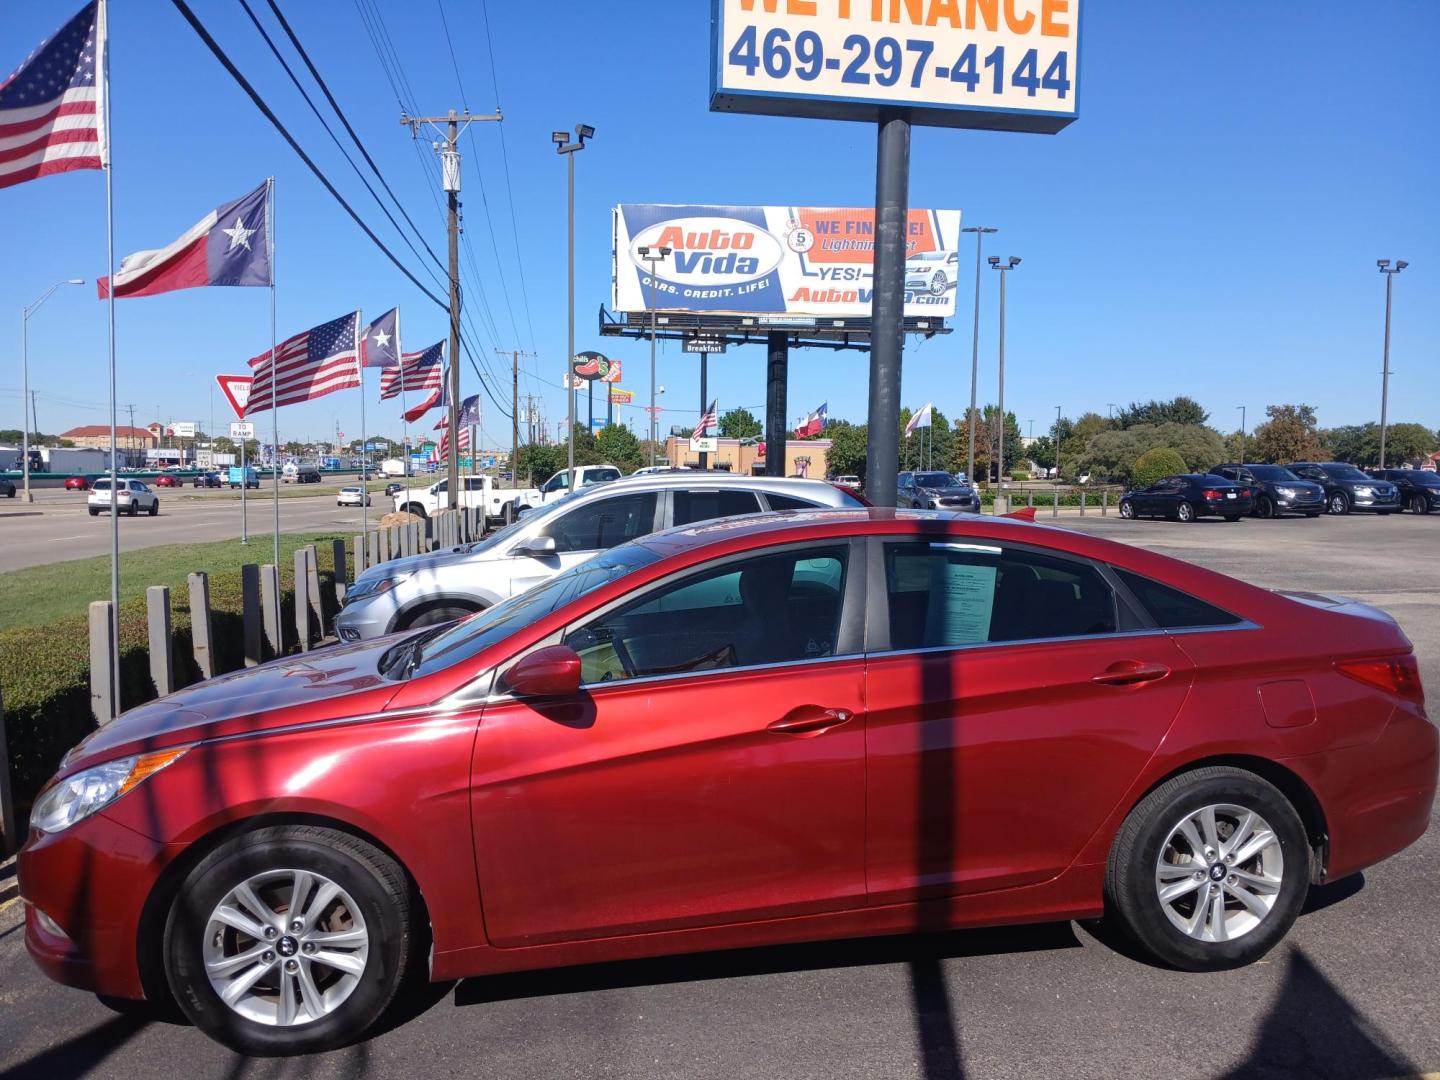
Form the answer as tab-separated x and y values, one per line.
421	590
1188	497
277	850
166	479
1347	488
1276	489
7	487
1418	489
934	490
849	481
77	483
352	496
208	479
131	496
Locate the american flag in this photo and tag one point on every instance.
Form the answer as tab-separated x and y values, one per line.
707	421
444	449
51	108
419	371
308	365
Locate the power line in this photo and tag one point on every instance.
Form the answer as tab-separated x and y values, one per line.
255	97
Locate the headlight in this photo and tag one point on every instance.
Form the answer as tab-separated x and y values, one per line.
1286	491
77	797
362	589
1361	489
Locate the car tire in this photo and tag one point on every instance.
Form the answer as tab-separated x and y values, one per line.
436	615
1339	503
1126	510
1146	879
94	512
155	508
1385	513
1264	507
370	905
939	283
1312	513
1232	517
134	508
1185	513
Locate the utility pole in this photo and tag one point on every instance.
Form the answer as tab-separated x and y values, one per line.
1004	268
455	125
1389	272
567	149
972	417
515	355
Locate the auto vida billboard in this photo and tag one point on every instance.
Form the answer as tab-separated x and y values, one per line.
776	260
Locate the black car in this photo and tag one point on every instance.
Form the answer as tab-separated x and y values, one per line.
208	480
1419	490
1276	489
1188	497
7	487
394	488
1347	488
935	490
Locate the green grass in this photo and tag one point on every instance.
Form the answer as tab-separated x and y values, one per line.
41	595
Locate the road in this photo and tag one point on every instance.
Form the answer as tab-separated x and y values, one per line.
1351	993
57	527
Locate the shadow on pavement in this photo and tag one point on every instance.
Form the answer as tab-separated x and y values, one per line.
921	950
76	1056
1313	1030
1323	896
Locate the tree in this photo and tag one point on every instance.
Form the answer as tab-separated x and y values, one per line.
618	446
1153	464
916	451
1114	454
537	462
1042	452
739	424
1408	442
1236	443
849	447
1288	435
987	436
1179	410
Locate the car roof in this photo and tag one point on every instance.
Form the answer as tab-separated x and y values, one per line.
681	479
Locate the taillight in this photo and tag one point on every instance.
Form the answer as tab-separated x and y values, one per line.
1211	493
1398	675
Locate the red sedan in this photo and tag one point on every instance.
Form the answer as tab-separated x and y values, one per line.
767	729
166	480
77	483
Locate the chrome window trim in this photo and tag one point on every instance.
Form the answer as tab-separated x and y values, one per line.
977	645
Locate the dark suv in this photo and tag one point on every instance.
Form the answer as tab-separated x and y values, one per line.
1347	488
934	490
1419	490
1276	489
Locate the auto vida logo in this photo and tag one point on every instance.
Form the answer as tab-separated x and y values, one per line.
710	250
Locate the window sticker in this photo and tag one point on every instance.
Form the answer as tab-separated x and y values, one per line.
962	597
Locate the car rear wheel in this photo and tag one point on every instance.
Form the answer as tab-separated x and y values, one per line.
1339	503
1185	512
134	509
1210	870
94	512
289	940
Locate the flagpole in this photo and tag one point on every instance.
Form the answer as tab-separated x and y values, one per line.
274	381
114	444
404	424
364	439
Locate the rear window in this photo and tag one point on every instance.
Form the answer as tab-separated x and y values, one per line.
788	502
1172	609
692	506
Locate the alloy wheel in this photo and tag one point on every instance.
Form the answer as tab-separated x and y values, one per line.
1338	504
1219	872
1127	510
285	947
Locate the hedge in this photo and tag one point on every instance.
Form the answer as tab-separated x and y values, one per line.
46	671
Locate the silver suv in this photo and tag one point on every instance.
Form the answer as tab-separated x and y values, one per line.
131	497
423	590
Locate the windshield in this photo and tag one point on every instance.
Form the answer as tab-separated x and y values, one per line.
1271	473
1345	472
1424	479
445	646
934	480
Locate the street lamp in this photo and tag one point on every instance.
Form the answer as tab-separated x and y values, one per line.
971	419
996	264
654	256
1242	433
1389	272
26	406
566	149
1057	442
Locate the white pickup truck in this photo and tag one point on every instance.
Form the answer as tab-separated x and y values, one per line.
476	491
558	486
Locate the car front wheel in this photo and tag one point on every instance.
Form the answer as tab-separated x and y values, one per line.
1210	870
289	940
1339	503
1126	510
1185	512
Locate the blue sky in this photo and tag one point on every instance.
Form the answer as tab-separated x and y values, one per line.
1209	226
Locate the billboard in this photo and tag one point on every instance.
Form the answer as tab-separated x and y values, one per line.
776	260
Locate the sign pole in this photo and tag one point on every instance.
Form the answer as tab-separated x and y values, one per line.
892	180
704	402
274	408
244	483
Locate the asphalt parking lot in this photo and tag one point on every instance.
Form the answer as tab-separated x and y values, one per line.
1354	991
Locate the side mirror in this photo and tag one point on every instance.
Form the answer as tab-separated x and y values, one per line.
553	671
537	547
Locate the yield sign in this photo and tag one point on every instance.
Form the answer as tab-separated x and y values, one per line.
236	389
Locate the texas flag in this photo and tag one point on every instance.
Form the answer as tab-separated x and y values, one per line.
813	424
228	246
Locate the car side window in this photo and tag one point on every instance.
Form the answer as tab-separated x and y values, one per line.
558	482
1172	609
955	593
692	506
788	502
768	609
605	523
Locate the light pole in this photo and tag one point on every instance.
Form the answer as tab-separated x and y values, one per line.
971	419
27	407
1389	272
1057	442
567	150
654	256
1004	268
1111	406
1242	433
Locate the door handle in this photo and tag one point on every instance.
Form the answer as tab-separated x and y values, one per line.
1130	673
809	720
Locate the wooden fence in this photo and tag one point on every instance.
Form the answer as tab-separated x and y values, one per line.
263	633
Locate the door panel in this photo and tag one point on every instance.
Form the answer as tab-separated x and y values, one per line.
667	803
990	767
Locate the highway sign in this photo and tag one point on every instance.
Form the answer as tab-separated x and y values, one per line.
242	430
236	389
